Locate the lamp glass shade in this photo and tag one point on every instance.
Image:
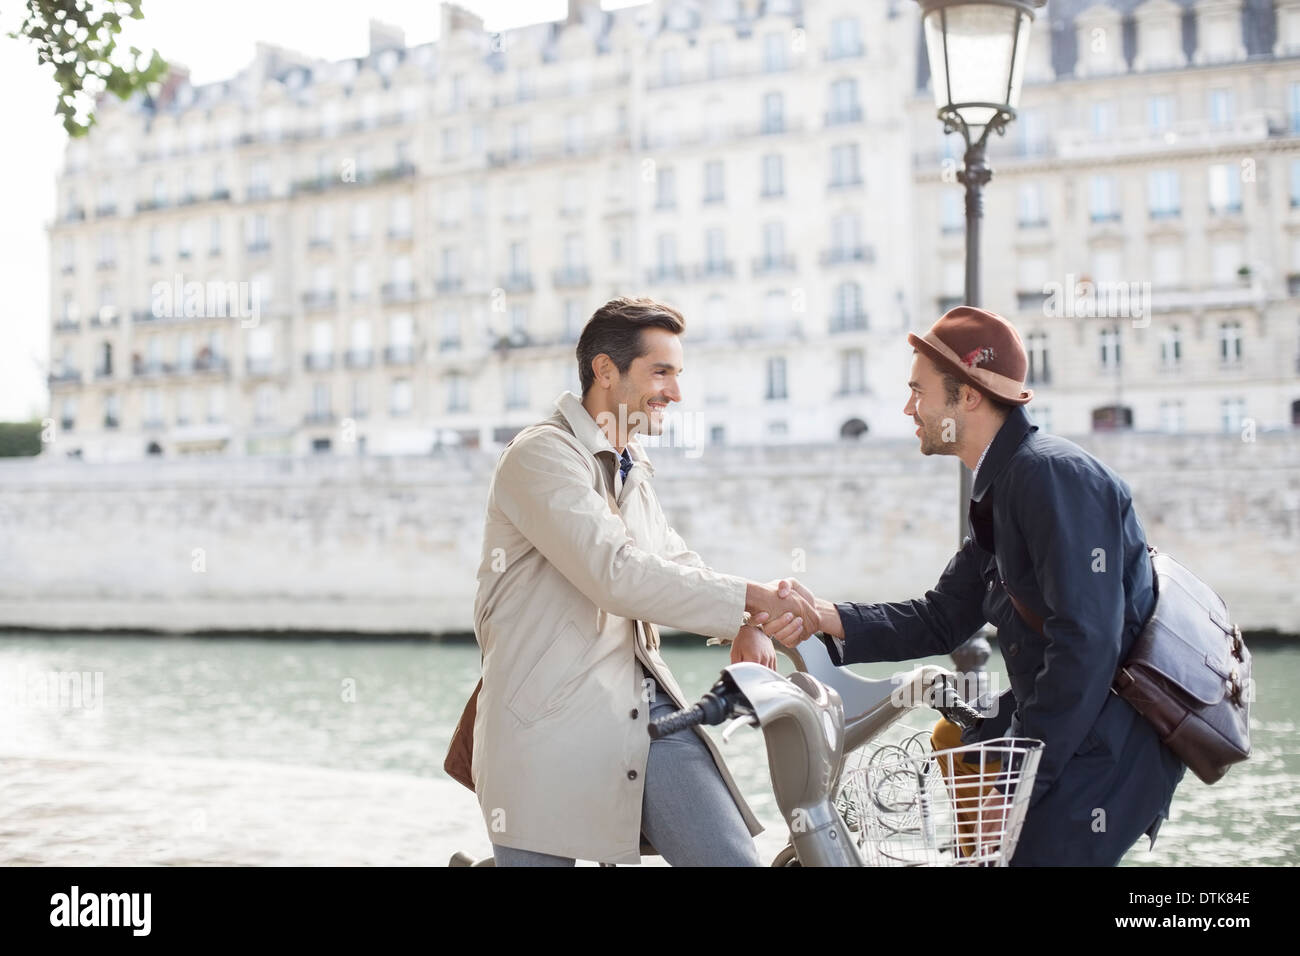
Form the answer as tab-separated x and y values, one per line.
977	55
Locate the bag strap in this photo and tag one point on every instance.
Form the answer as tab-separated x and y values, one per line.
1035	623
1029	617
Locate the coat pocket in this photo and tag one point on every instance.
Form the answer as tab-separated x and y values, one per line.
544	688
1092	744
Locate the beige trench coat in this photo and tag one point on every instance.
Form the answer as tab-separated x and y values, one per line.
570	587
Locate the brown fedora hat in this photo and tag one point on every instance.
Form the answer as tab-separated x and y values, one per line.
982	349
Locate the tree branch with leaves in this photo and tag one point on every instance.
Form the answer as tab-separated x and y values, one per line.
79	38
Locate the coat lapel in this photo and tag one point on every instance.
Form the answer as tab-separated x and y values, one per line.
1004	445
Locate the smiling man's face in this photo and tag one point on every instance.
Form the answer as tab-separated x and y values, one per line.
650	383
937	422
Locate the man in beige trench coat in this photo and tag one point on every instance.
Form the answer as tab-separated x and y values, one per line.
578	567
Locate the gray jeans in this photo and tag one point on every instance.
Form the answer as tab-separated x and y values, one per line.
687	812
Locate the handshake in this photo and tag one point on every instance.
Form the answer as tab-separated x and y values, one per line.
787	612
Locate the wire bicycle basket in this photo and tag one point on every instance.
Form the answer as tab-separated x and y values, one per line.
909	804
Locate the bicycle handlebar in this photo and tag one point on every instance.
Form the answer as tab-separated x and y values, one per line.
719	704
957	710
713	708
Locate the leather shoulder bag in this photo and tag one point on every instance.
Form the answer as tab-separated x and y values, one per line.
1188	672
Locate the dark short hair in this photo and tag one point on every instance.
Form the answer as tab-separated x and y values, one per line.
952	392
615	330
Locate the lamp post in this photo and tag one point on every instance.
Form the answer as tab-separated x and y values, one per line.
976	50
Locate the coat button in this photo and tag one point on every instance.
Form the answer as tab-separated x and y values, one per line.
631	775
1013	649
634	714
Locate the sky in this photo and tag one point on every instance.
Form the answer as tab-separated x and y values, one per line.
215	41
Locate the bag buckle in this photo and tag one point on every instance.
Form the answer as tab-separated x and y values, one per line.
1236	641
1234	687
1127	676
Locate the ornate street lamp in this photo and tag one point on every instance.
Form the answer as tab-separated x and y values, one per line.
977	51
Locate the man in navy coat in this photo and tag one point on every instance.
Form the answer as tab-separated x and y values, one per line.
1056	528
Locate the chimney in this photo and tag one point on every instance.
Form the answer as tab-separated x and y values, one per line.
385	36
455	18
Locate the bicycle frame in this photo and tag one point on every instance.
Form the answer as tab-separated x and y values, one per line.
811	721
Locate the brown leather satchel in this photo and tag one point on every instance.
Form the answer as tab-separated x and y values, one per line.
1188	673
460	755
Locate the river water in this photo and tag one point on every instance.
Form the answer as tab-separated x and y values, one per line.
138	750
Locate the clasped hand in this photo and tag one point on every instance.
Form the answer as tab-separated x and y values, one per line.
784	609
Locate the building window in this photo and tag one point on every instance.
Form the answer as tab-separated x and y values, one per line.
1232	412
1171	347
773	113
665	189
713	181
1110	348
572	320
264	402
715	249
1042	417
259	180
1111	418
516	388
852	375
1031	133
1103	119
1295	183
457	393
575	135
1033	211
1172	419
320	400
666	247
775	46
519	322
1103	199
1167	265
1225	188
670	67
519	258
846	38
717	57
773	245
1040	373
360	398
1162	194
1230	343
773	176
844	106
1220	107
776	379
520	143
575	256
848	314
952	213
400	399
844	165
1160	113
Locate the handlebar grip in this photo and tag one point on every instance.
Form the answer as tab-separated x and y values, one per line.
958	711
678	720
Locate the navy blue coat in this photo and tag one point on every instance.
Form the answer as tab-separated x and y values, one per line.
1056	528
